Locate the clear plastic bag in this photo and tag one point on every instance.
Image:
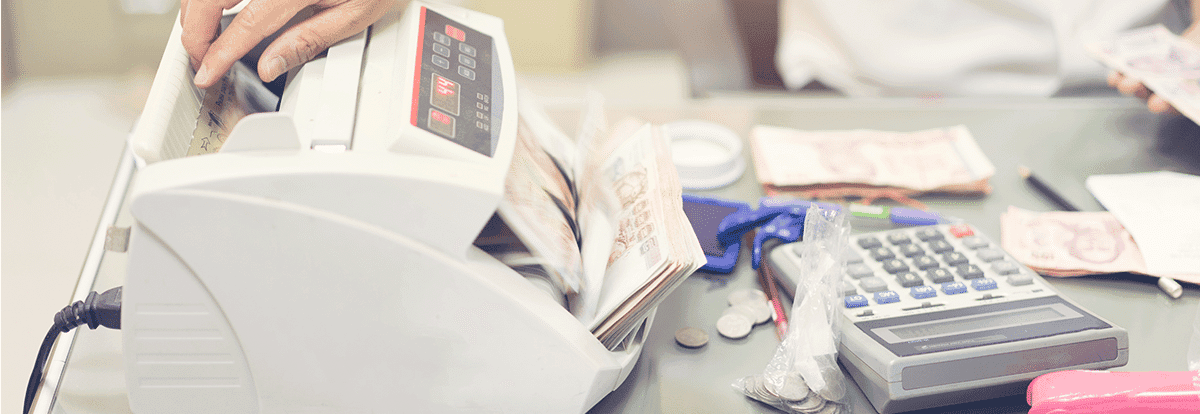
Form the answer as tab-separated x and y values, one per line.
803	376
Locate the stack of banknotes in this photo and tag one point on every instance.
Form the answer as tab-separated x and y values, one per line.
1167	65
1072	243
869	164
601	215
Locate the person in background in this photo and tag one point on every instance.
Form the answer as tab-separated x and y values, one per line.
965	48
212	55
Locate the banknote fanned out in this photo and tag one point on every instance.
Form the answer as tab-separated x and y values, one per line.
1166	64
623	195
1070	243
868	163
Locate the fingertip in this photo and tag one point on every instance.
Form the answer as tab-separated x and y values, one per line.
271	68
204	77
1114	78
1158	105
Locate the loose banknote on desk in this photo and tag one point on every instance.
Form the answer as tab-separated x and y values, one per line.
1074	243
603	216
868	163
1165	63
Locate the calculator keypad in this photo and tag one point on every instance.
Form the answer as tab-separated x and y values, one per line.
926	263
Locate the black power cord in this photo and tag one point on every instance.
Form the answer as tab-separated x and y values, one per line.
102	309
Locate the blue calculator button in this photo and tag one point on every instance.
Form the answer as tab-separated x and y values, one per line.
856	301
888	296
983	284
954	288
922	292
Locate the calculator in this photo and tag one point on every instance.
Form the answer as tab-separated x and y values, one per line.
938	315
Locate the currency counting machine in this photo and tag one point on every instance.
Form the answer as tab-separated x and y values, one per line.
322	260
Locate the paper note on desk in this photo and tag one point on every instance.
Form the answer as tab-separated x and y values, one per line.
1165	63
1074	243
1161	210
834	164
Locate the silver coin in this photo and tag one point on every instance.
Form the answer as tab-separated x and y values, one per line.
691	337
830	408
811	404
744	309
793	388
734	326
762	311
746	295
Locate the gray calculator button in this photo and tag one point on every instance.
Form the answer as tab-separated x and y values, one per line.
1005	267
911	250
954	258
466	49
441	62
859	271
990	254
869	243
441	49
894	266
466	61
898	238
928	234
848	289
940	246
939	276
974	242
909	279
969	271
925	262
873	284
466	73
850	256
441	38
882	253
1020	279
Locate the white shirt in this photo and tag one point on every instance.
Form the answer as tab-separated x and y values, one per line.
952	47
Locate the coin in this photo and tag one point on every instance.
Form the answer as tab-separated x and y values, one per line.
691	337
734	325
793	388
762	311
811	404
746	295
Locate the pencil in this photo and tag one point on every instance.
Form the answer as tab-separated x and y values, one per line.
1046	191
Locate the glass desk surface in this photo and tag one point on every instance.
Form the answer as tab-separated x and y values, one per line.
1063	140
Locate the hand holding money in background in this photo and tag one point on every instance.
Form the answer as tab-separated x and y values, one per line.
1131	86
211	55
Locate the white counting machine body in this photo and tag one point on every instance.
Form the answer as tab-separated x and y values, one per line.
322	260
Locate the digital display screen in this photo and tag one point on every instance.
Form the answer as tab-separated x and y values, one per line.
947	327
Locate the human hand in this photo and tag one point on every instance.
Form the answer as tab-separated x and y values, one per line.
211	56
1133	87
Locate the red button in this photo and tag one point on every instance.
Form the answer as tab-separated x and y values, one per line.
456	33
961	230
440	117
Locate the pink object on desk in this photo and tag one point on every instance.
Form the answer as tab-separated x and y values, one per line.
1114	392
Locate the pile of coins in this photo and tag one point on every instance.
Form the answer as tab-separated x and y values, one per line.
747	307
792	395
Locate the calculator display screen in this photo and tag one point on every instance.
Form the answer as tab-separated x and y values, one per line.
457	93
1020	317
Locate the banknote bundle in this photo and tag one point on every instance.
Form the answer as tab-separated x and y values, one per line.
1071	243
603	216
869	164
1166	64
